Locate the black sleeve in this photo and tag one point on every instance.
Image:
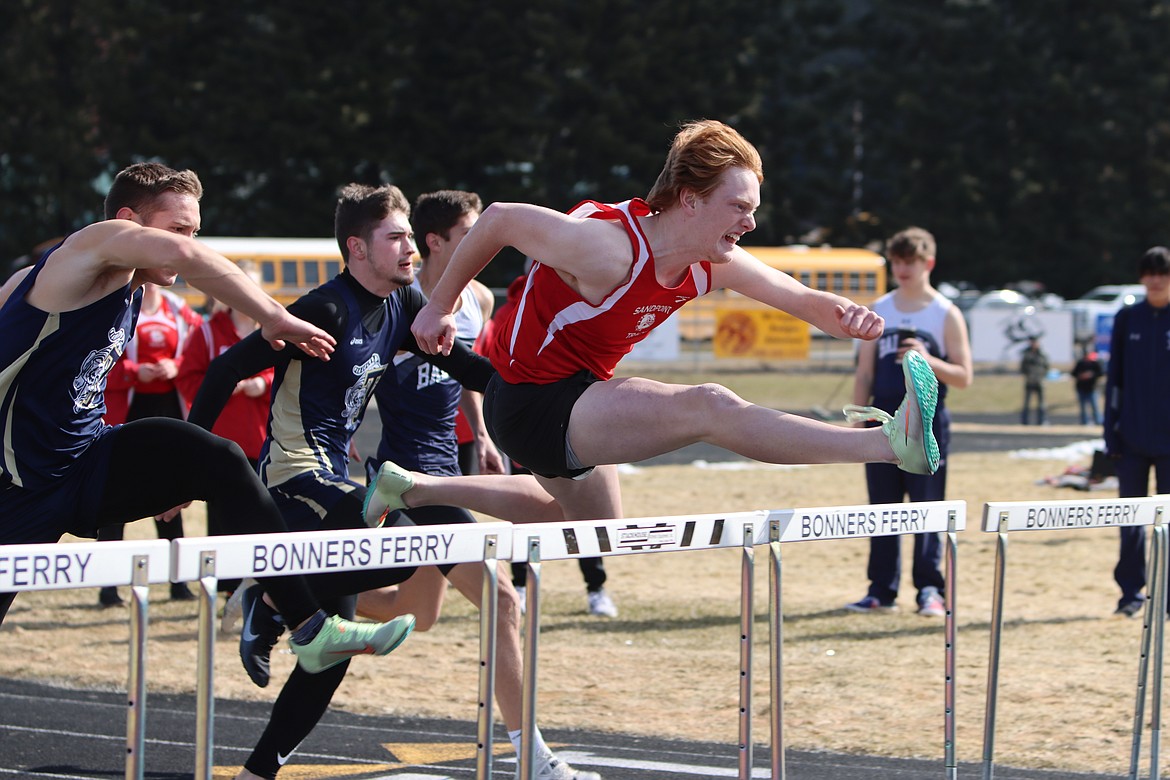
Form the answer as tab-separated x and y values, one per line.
469	369
254	354
251	356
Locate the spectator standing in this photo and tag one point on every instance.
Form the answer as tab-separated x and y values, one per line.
1034	367
1086	374
921	319
1137	417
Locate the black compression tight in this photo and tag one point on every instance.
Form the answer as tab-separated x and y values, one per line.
305	697
157	464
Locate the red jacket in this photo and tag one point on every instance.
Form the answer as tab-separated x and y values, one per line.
244	420
123	382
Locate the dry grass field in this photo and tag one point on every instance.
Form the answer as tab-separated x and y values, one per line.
668	664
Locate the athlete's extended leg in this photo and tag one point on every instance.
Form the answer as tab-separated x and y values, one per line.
159	463
302	702
628	420
632	419
517	498
198	465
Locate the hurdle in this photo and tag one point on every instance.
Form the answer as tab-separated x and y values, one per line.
92	565
538	542
857	522
1004	517
208	559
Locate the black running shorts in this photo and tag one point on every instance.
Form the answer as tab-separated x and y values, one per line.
530	422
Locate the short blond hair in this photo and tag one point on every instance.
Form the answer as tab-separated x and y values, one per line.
698	156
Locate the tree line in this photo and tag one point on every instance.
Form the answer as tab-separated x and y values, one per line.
1031	138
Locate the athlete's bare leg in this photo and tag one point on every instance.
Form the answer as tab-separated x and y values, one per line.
425	591
517	498
632	419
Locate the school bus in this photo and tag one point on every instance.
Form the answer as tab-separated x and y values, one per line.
857	274
289	267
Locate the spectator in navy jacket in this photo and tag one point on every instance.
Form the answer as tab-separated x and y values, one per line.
1137	417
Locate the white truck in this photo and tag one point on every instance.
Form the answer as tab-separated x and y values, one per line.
1106	299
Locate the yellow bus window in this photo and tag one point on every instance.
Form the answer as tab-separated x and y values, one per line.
312	274
288	273
268	272
332	268
838	282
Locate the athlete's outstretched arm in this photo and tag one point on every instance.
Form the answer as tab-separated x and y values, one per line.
104	256
595	254
834	314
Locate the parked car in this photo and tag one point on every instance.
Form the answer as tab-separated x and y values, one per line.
1106	299
1002	299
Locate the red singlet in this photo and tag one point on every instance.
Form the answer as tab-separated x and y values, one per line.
553	332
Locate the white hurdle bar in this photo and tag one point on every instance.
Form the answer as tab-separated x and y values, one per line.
93	565
537	542
1004	517
208	559
857	522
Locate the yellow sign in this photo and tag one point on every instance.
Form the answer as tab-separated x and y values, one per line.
760	333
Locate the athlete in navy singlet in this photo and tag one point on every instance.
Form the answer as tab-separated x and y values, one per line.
66	320
920	319
316	409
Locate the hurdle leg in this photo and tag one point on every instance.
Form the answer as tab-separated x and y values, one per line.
993	659
488	611
531	632
776	647
746	613
951	564
1159	574
1139	708
136	686
205	676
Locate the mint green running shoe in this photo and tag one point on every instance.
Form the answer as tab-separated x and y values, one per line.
911	428
384	493
340	639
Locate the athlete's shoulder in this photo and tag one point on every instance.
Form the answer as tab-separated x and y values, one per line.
324	307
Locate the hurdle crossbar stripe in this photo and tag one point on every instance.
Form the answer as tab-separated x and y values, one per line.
863	521
1072	514
80	565
600	538
312	552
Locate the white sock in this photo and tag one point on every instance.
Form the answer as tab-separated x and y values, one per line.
543	752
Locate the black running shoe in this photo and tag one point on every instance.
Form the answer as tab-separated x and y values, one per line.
108	597
259	633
